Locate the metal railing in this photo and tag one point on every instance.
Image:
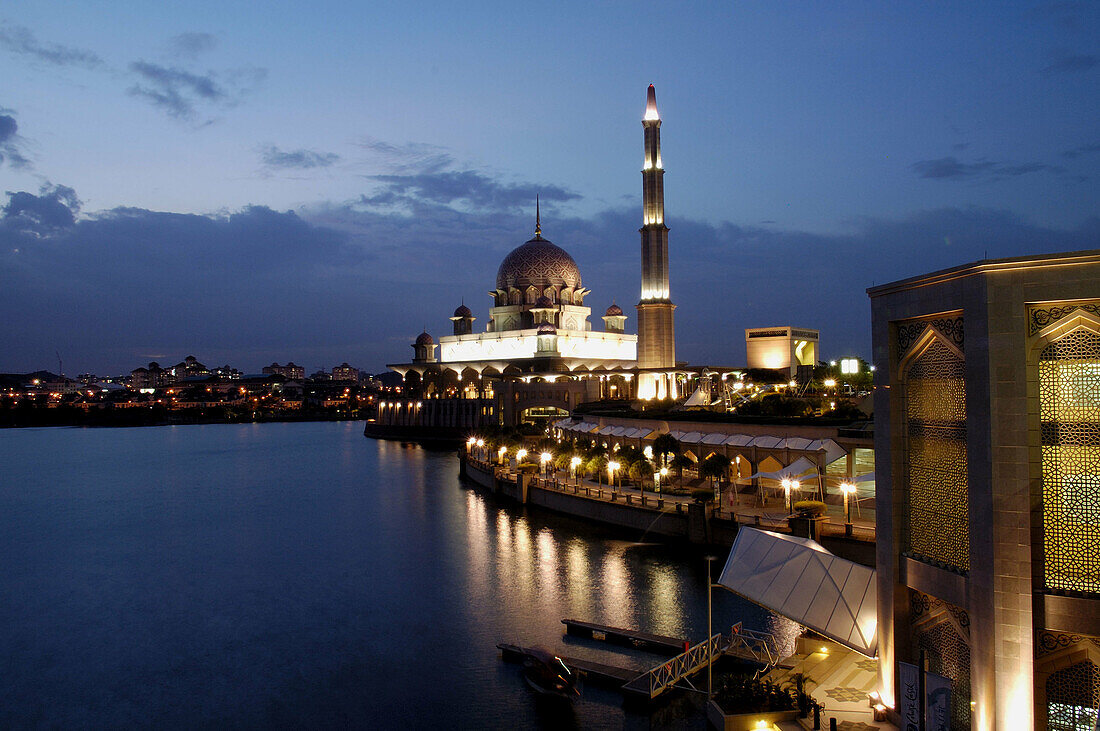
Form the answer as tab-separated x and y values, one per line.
759	645
662	677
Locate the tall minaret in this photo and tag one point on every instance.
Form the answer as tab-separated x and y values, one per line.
656	337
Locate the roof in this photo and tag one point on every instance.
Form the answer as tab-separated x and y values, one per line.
798	579
540	263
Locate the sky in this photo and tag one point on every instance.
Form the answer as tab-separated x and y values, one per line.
318	182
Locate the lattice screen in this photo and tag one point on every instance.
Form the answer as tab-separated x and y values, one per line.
1073	697
1069	409
936	420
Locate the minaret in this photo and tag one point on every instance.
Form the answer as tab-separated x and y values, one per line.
656	337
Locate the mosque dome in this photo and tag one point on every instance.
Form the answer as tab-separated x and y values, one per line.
424	339
614	311
540	263
463	311
547	328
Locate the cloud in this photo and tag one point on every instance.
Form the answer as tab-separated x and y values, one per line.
191	45
465	187
53	209
1068	63
302	159
10	143
180	93
410	157
19	40
1082	150
251	286
951	168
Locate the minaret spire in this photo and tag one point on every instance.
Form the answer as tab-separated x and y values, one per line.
538	218
656	332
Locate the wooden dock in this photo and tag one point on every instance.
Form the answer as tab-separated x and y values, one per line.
630	638
593	672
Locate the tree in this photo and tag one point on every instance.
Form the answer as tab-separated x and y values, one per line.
680	463
664	445
716	466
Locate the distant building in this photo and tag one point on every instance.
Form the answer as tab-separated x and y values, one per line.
189	367
151	376
344	372
781	348
320	376
987	442
290	371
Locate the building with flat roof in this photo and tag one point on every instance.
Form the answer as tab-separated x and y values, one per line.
781	348
987	441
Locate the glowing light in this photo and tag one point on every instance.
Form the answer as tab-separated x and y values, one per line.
829	382
521	454
481	442
545	457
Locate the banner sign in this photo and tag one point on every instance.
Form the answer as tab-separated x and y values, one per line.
937	693
909	701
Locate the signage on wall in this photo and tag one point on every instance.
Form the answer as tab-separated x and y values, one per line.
924	703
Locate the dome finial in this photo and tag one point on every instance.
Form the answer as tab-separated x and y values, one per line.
651	114
538	218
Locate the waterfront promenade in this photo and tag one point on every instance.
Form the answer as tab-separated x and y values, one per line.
672	515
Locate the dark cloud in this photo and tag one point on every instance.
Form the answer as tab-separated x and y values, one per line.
180	92
20	40
465	187
302	159
53	209
356	282
1069	63
951	168
1082	150
10	147
191	45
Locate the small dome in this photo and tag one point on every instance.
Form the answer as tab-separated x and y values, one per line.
463	311
547	328
614	311
538	262
424	339
544	302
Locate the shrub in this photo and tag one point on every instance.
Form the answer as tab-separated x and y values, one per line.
810	508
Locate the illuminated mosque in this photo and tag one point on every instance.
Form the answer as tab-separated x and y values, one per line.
539	355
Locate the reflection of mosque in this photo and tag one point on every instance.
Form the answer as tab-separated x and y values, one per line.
539	356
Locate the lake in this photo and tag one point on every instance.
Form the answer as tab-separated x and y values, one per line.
298	574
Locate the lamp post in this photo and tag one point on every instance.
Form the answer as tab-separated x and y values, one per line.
847	488
612	468
788	486
710	632
501	452
664	475
481	448
519	457
545	458
573	464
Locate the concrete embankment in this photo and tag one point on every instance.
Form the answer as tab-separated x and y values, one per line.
694	522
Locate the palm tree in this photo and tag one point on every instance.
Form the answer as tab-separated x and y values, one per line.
664	445
680	463
715	466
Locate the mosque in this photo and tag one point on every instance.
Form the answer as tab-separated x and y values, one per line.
539	355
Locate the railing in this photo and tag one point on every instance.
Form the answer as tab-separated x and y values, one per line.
664	676
760	645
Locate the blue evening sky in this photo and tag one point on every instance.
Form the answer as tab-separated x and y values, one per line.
251	182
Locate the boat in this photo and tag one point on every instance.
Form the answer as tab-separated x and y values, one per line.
546	674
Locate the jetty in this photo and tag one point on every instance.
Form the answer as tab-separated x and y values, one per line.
659	644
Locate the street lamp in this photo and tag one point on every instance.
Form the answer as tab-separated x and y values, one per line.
847	488
501	452
519	456
573	464
545	458
789	485
612	467
664	474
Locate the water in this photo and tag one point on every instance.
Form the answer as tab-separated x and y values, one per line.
288	575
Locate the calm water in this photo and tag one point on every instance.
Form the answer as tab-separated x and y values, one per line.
280	575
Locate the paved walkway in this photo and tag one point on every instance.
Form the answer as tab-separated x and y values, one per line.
763	507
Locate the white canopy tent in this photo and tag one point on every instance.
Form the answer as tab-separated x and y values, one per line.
798	579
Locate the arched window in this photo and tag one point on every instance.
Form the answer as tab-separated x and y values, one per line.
532	295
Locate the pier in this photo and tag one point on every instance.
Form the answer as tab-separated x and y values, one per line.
631	638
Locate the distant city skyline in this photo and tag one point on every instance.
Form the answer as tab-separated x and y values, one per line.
318	184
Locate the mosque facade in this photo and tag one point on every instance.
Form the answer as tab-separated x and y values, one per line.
539	354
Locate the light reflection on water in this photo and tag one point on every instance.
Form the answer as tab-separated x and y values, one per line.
283	575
